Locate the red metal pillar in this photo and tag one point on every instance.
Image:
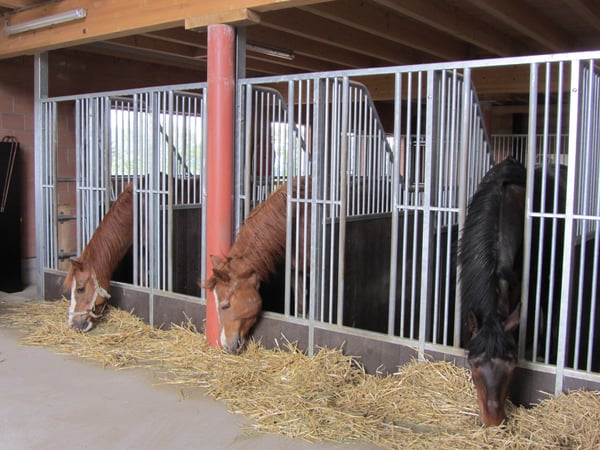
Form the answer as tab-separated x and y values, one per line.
219	157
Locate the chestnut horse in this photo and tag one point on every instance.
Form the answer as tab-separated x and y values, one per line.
490	253
89	275
256	255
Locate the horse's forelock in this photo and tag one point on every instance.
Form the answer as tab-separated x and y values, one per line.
68	282
75	266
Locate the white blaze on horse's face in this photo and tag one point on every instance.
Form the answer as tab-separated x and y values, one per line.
222	337
238	308
87	297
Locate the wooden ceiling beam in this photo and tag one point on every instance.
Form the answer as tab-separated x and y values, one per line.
587	10
158	46
315	49
109	48
298	64
527	21
113	19
448	19
161	44
180	36
338	35
373	19
237	17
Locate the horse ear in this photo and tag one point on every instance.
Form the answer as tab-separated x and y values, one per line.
512	321
221	275
215	260
472	322
77	264
254	280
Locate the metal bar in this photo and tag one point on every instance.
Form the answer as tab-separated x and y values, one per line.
343	198
527	234
396	196
463	185
569	224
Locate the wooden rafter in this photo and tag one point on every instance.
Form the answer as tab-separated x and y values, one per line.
441	16
383	23
115	19
519	16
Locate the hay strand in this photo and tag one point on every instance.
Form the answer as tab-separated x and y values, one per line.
327	397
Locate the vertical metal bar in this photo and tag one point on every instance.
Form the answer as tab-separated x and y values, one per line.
438	280
527	234
171	174
243	156
463	185
408	200
594	142
291	148
40	92
416	207
569	224
137	242
396	196
105	154
334	179
431	118
343	197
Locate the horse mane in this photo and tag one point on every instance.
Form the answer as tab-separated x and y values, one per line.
259	246
478	252
110	241
261	240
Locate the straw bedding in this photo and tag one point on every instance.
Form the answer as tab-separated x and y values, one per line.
325	397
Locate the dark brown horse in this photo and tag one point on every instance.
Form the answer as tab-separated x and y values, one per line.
89	275
256	255
490	255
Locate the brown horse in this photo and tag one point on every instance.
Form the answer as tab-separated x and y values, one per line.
256	255
89	275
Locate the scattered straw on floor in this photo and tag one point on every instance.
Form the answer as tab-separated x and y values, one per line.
326	397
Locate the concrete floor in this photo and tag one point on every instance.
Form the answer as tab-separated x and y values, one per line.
50	401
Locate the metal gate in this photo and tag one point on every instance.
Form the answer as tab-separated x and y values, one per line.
152	138
388	198
388	208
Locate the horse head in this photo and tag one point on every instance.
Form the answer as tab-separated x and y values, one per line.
235	288
492	358
88	298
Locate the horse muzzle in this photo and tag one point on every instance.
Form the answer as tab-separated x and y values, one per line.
233	345
81	323
493	414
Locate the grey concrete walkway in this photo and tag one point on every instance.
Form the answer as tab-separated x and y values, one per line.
50	401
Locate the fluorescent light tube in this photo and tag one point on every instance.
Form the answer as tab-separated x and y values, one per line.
42	22
275	52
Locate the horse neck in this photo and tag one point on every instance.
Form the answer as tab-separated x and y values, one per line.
261	240
111	240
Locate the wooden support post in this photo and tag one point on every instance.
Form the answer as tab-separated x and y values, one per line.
219	164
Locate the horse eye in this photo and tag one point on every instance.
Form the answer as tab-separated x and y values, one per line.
80	290
225	305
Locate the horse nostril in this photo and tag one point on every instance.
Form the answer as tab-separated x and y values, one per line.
236	346
82	325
